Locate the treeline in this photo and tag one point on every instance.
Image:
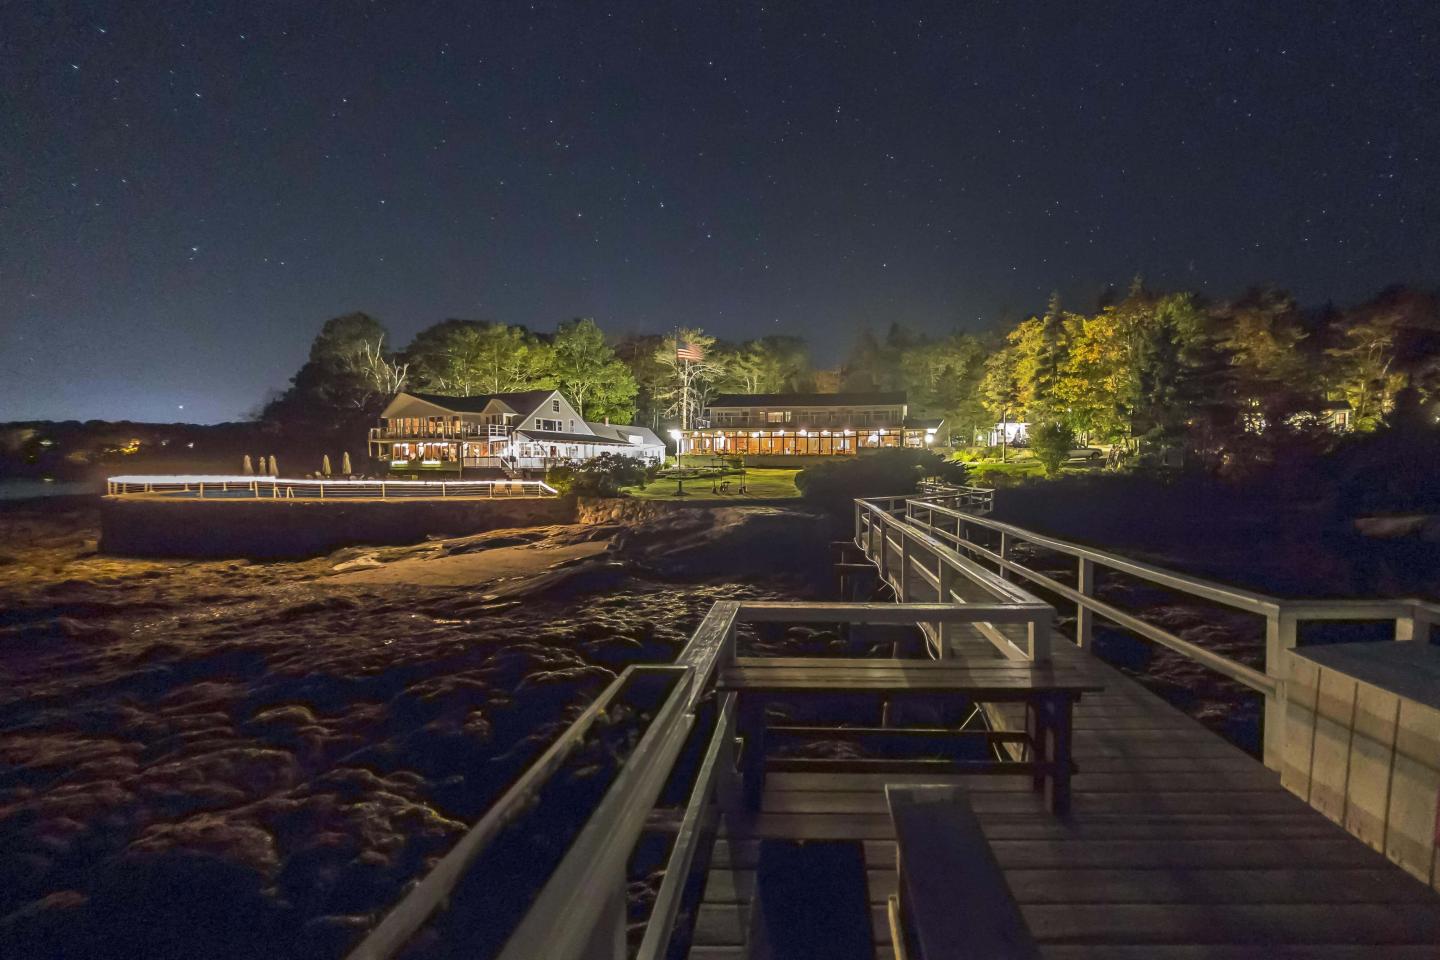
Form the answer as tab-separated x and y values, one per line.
1167	373
1174	377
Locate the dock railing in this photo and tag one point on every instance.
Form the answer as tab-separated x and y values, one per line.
580	911
944	519
219	487
920	566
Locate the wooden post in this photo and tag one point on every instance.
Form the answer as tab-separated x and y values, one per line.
752	728
904	589
945	629
1084	616
1004	554
1281	630
1415	626
1039	630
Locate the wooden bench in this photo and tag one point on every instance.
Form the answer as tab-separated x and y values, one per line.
1049	696
952	901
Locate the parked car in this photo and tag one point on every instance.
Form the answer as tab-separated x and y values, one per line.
1084	453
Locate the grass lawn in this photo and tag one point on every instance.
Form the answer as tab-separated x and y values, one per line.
763	484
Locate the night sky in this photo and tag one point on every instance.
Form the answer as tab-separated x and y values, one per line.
187	191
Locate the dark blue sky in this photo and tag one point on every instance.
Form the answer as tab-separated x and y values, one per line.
190	190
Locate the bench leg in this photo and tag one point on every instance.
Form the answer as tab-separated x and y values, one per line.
752	766
1058	733
1037	725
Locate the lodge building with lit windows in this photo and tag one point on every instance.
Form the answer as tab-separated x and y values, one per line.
778	428
422	434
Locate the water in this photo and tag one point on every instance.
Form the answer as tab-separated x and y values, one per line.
20	488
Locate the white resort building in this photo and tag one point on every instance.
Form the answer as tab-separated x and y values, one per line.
424	433
777	428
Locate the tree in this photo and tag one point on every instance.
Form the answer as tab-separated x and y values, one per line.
588	373
1272	375
1095	375
942	380
1000	389
689	382
1383	346
344	381
1040	346
774	364
653	379
469	357
1051	442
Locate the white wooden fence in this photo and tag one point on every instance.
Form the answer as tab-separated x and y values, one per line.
220	487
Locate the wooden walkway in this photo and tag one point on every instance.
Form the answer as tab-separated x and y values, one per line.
1178	847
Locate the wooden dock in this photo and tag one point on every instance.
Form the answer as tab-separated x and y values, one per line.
1166	843
1178	846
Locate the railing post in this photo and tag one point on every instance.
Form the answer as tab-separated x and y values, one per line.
1004	555
946	628
382	489
1084	616
1414	626
885	551
1281	634
904	589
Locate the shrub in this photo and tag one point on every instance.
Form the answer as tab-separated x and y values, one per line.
561	478
890	472
1051	444
997	476
603	476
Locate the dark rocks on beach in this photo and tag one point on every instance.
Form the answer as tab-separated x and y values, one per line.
234	760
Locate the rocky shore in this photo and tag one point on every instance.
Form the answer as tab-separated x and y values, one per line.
231	758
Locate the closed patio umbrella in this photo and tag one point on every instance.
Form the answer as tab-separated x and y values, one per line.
325	465
248	469
345	463
274	470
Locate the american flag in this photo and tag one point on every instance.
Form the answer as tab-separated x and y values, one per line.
688	351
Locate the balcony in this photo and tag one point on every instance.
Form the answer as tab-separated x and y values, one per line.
444	431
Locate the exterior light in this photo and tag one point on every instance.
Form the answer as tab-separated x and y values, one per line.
674	434
929	438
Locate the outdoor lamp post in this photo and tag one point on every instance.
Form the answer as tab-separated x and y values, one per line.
679	475
676	436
